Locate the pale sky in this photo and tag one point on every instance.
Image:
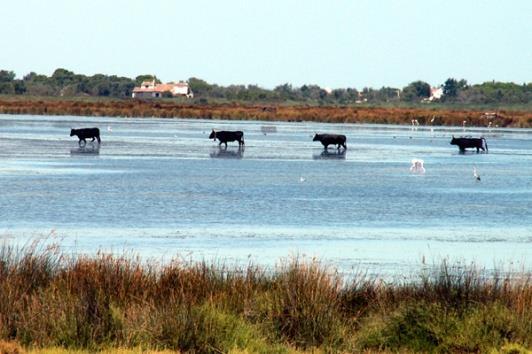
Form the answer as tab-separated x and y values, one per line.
333	44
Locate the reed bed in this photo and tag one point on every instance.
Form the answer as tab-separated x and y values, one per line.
267	112
91	303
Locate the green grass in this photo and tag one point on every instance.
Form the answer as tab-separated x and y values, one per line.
49	301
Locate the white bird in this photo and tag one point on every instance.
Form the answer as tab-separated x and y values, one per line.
417	166
109	129
432	120
475	174
301	179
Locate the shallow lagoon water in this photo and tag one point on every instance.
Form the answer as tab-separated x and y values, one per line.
160	187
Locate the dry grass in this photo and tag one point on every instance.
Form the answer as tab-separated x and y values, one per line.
48	300
267	112
10	347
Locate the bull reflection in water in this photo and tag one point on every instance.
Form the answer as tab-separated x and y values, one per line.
330	155
225	153
89	149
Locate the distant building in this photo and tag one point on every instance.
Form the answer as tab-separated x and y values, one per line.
150	89
435	93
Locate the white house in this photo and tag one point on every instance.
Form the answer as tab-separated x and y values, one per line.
150	89
435	93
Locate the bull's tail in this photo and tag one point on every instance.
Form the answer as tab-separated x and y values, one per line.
485	143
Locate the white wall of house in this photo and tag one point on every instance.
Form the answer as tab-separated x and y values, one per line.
152	90
180	90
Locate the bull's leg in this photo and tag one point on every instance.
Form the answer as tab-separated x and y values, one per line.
478	150
345	146
225	144
99	140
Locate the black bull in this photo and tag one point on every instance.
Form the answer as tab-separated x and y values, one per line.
465	143
86	133
225	136
331	139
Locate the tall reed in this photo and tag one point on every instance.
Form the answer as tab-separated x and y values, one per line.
48	299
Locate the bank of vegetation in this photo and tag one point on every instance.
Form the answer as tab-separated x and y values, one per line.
266	112
51	300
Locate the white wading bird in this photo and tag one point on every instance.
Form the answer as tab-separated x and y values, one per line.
417	166
475	174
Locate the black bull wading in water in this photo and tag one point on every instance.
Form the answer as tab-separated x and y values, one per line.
86	133
225	136
331	139
465	143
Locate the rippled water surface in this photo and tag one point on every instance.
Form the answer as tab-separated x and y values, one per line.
160	187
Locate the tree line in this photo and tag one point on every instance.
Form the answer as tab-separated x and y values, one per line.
66	83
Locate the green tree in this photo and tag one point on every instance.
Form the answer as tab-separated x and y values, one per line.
7	76
19	87
312	92
201	88
62	77
6	82
452	87
387	94
146	77
416	90
285	92
34	77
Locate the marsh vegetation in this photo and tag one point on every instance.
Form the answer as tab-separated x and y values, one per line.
49	299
